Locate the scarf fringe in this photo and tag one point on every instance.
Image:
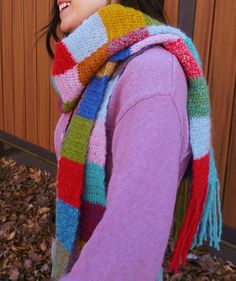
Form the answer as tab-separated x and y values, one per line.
186	235
211	223
207	212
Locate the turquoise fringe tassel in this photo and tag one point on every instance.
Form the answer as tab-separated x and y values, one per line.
160	274
210	224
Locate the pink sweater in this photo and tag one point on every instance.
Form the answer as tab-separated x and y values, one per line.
148	152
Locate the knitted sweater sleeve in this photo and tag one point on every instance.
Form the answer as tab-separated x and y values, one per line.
130	241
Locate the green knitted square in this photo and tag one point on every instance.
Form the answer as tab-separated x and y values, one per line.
76	141
198	98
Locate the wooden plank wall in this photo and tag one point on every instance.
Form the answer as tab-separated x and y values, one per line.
28	102
1	88
216	19
30	71
223	67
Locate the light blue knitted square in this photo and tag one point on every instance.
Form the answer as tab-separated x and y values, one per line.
86	38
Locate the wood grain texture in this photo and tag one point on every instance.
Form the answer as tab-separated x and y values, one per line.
229	215
54	112
43	77
203	30
187	16
171	8
1	90
7	67
19	68
30	71
221	80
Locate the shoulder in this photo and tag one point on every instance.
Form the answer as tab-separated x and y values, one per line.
156	71
144	69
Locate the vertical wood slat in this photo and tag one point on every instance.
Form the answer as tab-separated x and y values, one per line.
186	16
229	215
54	112
43	76
202	35
1	90
229	39
18	67
30	71
171	8
222	69
7	67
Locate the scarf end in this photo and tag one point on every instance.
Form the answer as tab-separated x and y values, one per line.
211	222
203	219
186	235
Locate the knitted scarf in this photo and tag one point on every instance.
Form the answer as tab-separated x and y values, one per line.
83	65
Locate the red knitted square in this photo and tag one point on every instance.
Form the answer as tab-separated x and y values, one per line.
200	175
70	182
181	51
64	61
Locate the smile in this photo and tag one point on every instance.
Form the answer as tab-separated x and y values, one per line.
63	6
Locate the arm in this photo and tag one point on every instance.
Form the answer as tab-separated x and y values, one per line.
130	241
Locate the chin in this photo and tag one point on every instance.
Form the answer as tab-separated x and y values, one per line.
65	28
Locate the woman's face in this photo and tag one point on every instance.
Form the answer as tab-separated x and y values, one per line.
77	11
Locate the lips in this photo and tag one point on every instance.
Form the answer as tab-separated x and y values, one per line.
63	9
59	2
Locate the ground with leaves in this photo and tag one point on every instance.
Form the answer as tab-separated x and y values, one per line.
27	197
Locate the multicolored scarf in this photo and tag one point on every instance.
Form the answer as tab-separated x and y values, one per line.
84	63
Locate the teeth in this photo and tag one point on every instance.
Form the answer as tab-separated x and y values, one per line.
63	5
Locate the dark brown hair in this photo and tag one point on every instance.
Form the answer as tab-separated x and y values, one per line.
153	8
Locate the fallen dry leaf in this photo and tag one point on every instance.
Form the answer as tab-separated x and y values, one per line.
43	210
27	222
37	176
43	246
11	236
14	274
28	264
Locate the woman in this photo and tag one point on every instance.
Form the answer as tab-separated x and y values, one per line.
122	233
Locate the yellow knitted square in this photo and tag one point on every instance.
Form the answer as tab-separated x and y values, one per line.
110	16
